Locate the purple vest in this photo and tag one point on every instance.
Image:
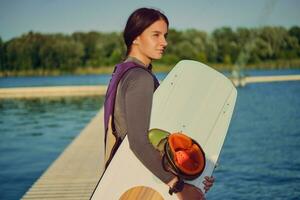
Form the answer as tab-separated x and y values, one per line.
119	71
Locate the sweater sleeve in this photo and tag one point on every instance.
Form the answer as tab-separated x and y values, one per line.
138	103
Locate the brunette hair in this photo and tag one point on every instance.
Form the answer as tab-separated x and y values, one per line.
138	21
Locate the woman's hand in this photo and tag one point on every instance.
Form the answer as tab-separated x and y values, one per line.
190	192
208	183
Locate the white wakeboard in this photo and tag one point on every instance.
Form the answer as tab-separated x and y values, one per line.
194	99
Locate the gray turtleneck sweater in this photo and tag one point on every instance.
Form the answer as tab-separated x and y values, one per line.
132	117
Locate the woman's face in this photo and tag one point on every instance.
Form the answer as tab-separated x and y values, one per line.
152	42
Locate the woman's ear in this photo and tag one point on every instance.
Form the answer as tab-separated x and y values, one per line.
136	40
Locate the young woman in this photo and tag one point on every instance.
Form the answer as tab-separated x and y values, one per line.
129	97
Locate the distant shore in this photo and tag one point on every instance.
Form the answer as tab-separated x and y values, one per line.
271	65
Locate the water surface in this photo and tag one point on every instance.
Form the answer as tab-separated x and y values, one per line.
260	158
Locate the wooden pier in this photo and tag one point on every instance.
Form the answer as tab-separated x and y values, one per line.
76	172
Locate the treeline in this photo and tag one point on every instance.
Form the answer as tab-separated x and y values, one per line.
242	46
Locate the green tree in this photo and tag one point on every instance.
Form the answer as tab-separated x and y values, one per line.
199	40
226	41
14	55
61	52
261	50
91	44
33	50
1	54
294	32
111	49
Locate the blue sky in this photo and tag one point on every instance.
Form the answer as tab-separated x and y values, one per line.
67	16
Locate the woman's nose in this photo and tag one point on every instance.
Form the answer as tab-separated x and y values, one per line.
163	42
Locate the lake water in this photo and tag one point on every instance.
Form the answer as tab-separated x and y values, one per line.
30	81
260	158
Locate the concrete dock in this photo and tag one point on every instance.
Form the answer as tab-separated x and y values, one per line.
76	172
264	79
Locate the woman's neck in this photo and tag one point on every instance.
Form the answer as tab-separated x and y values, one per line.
146	61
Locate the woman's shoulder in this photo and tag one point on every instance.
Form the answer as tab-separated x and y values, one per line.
138	73
137	77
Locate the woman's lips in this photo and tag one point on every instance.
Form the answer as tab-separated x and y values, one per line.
161	51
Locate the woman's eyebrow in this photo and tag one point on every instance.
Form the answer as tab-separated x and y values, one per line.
159	32
156	31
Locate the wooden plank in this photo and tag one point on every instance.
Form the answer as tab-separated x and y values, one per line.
75	173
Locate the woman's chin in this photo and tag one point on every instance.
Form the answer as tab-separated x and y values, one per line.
157	57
